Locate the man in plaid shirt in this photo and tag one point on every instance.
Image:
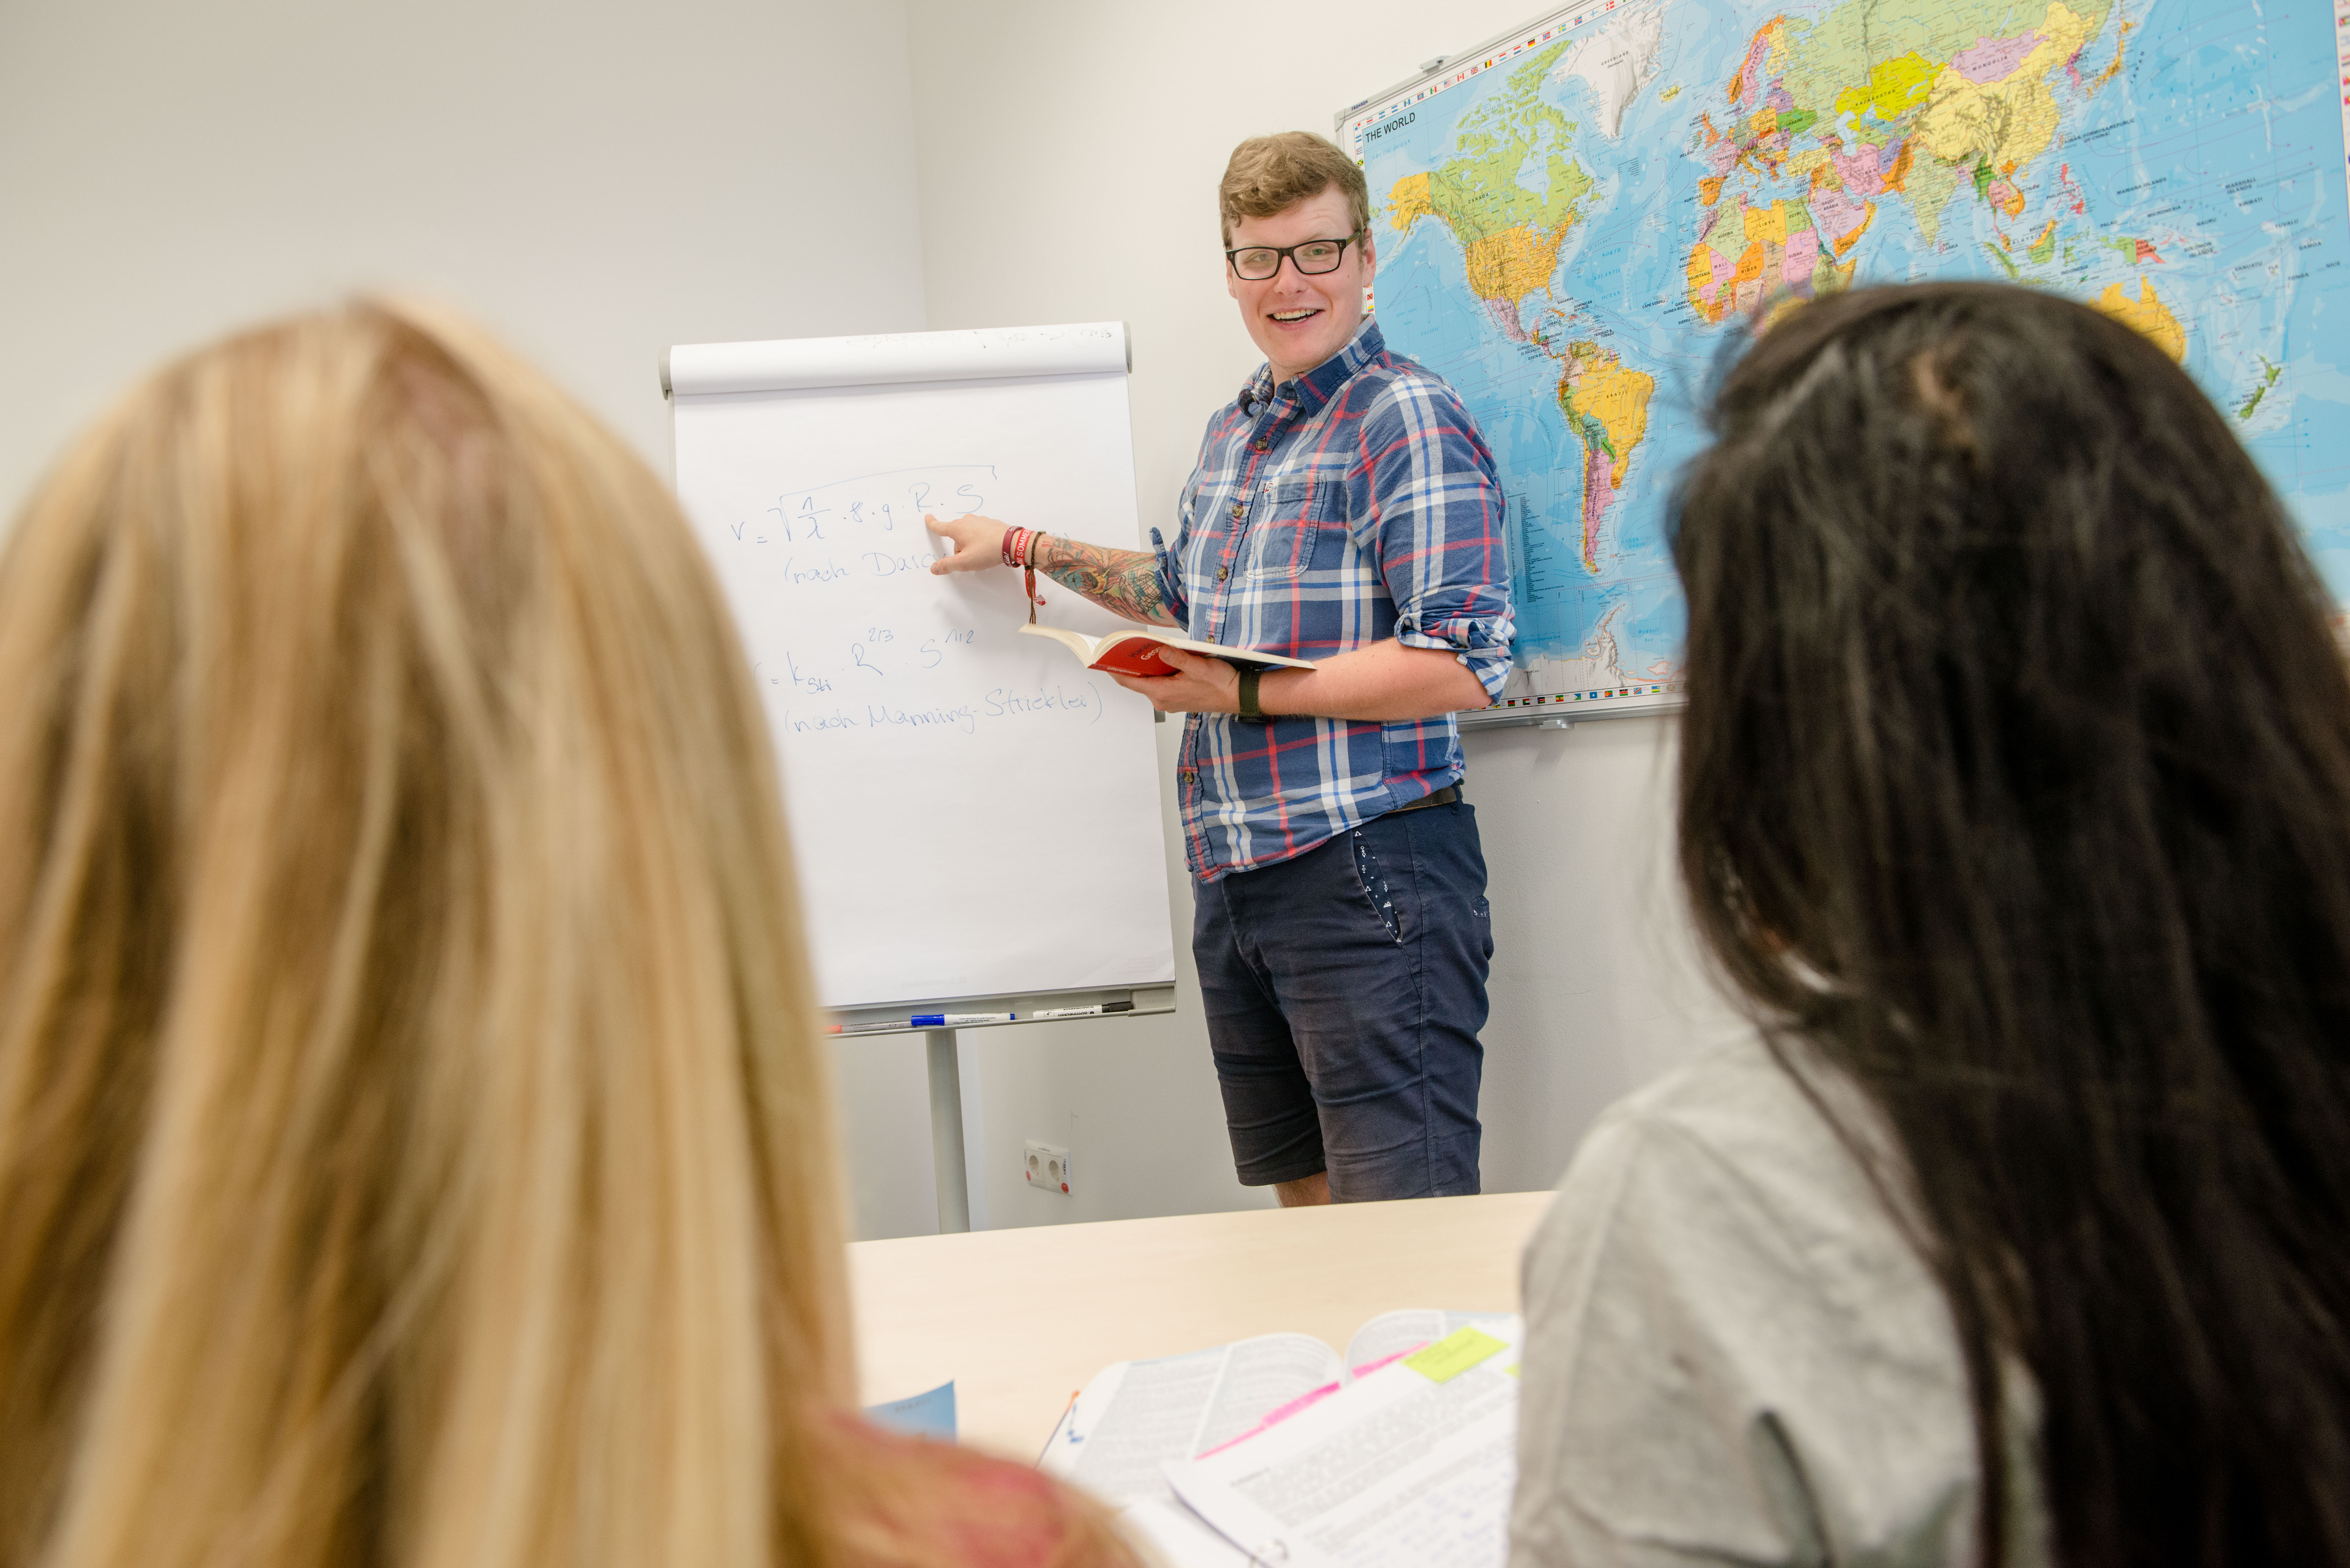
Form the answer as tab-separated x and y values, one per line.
1343	509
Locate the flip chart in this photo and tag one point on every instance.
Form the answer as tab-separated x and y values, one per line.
971	814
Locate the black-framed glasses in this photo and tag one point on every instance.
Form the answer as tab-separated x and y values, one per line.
1255	264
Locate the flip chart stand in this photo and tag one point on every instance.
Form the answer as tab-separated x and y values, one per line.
952	1179
940	1051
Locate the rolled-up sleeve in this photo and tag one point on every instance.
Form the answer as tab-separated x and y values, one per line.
1170	577
1436	516
1171	557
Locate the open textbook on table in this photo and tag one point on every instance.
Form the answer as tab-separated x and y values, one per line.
1399	1451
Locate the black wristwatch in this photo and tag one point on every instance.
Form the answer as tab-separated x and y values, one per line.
1250	712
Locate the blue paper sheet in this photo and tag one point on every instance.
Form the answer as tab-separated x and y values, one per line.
930	1414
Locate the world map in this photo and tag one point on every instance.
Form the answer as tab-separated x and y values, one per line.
1578	225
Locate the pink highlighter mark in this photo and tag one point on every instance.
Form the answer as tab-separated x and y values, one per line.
1302	1401
1306	1401
1993	59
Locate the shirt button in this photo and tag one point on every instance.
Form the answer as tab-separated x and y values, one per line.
1263	445
1222	572
1240	510
1191	777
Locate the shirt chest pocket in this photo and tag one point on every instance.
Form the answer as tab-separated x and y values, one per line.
1298	526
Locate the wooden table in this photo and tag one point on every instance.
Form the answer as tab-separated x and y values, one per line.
1021	1319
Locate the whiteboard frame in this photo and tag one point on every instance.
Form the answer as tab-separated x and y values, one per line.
943	1067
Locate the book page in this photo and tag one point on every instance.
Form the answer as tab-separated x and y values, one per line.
1393	1334
1215	650
1132	642
1179	1538
1410	1466
1136	1416
1077	643
1263	1375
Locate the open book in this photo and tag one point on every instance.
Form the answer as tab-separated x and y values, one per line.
1134	650
1137	1419
1409	1466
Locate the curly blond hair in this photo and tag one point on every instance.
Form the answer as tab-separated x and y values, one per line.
1269	174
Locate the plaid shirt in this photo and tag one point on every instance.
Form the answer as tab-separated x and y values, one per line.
1356	503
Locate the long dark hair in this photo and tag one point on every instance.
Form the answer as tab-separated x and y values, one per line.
2015	785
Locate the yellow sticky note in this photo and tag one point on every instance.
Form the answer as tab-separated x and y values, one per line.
1453	1355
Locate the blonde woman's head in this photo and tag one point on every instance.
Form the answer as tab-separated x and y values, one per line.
413	1146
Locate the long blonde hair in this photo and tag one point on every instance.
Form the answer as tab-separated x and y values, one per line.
414	1142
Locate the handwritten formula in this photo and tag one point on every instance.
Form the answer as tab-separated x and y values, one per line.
806	467
906	663
869	526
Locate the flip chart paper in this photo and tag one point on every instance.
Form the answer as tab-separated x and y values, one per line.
972	814
800	364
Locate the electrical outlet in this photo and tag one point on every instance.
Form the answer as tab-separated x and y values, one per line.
1047	1166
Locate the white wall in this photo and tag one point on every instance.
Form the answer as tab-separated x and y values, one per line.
597	180
594	179
1069	152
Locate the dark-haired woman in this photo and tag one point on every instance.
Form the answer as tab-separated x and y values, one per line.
2015	805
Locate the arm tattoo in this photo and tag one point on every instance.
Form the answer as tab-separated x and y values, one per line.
1123	582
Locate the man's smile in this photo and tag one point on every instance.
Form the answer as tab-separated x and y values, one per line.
1299	318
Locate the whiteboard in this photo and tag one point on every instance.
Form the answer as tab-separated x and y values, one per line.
972	811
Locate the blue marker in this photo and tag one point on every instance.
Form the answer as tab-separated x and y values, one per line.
957	1020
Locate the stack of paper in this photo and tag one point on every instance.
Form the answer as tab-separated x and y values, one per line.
1277	1449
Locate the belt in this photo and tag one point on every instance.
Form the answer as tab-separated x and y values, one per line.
1448	796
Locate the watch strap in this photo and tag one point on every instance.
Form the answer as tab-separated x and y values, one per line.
1250	712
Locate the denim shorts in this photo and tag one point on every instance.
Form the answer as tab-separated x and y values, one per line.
1344	990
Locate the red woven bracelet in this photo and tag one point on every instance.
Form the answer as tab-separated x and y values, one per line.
1011	539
